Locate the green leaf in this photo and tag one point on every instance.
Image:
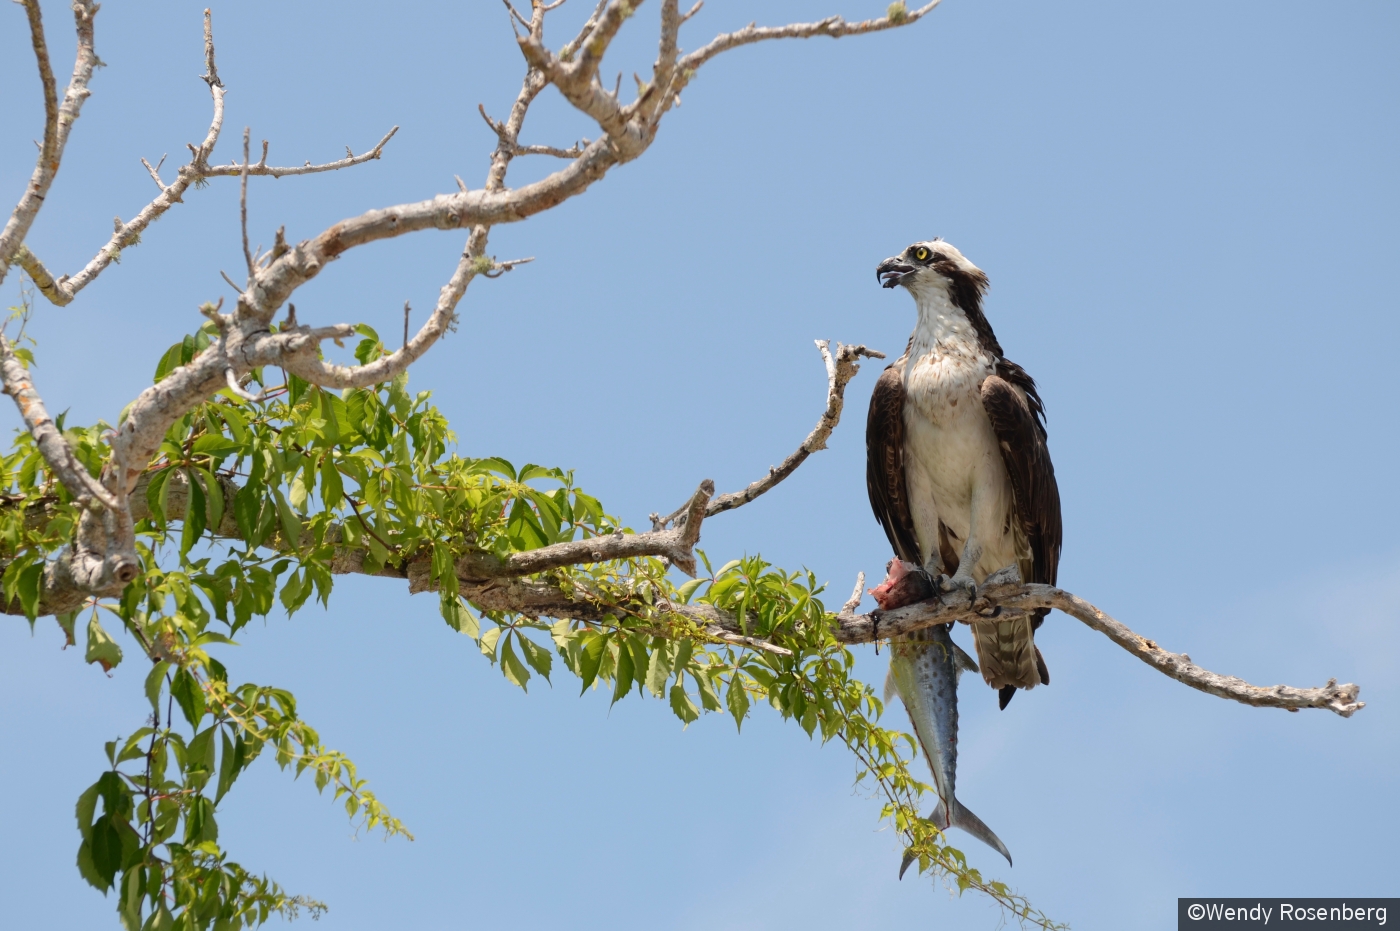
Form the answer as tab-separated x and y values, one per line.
189	696
488	642
214	444
738	701
247	506
156	492
170	361
460	618
809	718
31	585
724	569
196	511
85	809
591	659
199	755
101	648
688	589
640	659
660	672
540	659
133	749
523	525
682	705
684	648
708	699
623	676
216	498
66	622
88	870
511	665
332	489
291	525
231	761
199	821
105	848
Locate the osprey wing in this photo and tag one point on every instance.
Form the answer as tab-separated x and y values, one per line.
884	464
1017	417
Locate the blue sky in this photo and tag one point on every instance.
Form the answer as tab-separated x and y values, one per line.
1187	214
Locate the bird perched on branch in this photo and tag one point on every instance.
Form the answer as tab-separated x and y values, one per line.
957	466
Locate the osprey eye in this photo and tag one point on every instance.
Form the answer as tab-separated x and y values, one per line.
922	254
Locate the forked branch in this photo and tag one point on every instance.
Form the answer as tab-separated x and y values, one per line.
58	122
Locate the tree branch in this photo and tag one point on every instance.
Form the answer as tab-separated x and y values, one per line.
840	369
52	446
62	290
677	545
58	122
1011	597
261	169
839	372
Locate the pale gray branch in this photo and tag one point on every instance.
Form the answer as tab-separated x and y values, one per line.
1006	591
840	369
58	122
261	168
62	290
833	26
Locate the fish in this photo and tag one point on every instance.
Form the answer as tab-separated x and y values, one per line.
924	671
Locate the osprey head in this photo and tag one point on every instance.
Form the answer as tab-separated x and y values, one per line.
934	264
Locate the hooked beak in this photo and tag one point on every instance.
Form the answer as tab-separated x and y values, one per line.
892	271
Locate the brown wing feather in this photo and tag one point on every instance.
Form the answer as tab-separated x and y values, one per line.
1015	411
884	464
1016	418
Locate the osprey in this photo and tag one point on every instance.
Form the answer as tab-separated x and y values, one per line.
956	463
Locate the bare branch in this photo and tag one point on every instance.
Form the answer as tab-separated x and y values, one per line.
155	171
211	73
243	205
261	169
853	602
839	372
833	26
62	290
573	152
1006	591
58	122
329	375
627	137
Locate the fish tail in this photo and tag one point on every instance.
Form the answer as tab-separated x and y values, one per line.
965	819
961	818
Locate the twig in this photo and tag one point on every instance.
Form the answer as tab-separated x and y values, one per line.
211	73
261	169
155	171
840	369
243	206
232	380
853	602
